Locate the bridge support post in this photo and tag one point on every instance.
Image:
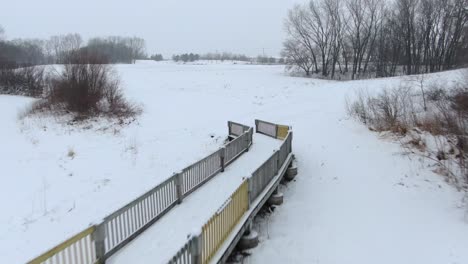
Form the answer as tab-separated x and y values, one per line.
249	239
276	190
291	173
276	198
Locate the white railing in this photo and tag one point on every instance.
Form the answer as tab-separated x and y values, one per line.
201	248
272	130
236	147
236	129
119	228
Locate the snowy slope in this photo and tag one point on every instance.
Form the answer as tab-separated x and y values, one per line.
356	200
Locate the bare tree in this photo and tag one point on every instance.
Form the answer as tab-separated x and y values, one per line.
2	33
318	23
336	20
297	31
402	36
138	47
297	55
60	47
361	31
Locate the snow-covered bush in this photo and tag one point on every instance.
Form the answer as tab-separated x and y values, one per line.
87	87
389	110
442	119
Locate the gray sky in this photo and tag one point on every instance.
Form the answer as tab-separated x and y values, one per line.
168	26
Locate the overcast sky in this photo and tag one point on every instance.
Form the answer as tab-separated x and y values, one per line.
168	26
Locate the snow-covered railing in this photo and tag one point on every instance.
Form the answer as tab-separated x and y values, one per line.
241	206
285	148
233	149
77	249
272	130
99	242
236	129
216	230
189	253
263	175
131	220
198	173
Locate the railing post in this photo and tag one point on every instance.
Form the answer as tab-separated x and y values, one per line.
197	249
222	155
250	186
290	141
251	135
229	130
247	140
278	165
99	237
178	182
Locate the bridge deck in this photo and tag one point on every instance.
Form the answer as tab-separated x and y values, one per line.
162	240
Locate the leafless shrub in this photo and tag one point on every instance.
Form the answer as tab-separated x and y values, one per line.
388	110
431	125
27	81
359	108
87	87
460	102
400	110
435	93
71	153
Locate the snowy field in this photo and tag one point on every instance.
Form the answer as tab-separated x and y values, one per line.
357	199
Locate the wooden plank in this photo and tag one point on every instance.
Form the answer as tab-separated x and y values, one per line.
61	247
282	131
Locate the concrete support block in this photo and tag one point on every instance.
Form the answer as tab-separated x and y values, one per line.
291	173
276	199
248	241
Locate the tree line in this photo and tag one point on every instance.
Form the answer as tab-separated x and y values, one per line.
186	57
56	49
225	56
376	38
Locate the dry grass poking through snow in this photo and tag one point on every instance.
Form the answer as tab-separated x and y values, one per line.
431	121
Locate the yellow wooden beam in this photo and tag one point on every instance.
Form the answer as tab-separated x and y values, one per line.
282	131
44	257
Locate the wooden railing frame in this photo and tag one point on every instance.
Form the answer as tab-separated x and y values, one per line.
254	204
279	131
144	207
232	131
64	246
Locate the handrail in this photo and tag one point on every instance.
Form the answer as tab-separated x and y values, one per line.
271	129
83	252
204	246
236	129
99	242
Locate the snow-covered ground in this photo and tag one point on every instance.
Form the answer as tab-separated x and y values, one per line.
356	199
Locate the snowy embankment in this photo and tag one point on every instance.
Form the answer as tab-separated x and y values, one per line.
356	199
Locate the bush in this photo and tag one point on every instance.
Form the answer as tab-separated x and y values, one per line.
435	93
389	110
28	81
87	87
400	110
